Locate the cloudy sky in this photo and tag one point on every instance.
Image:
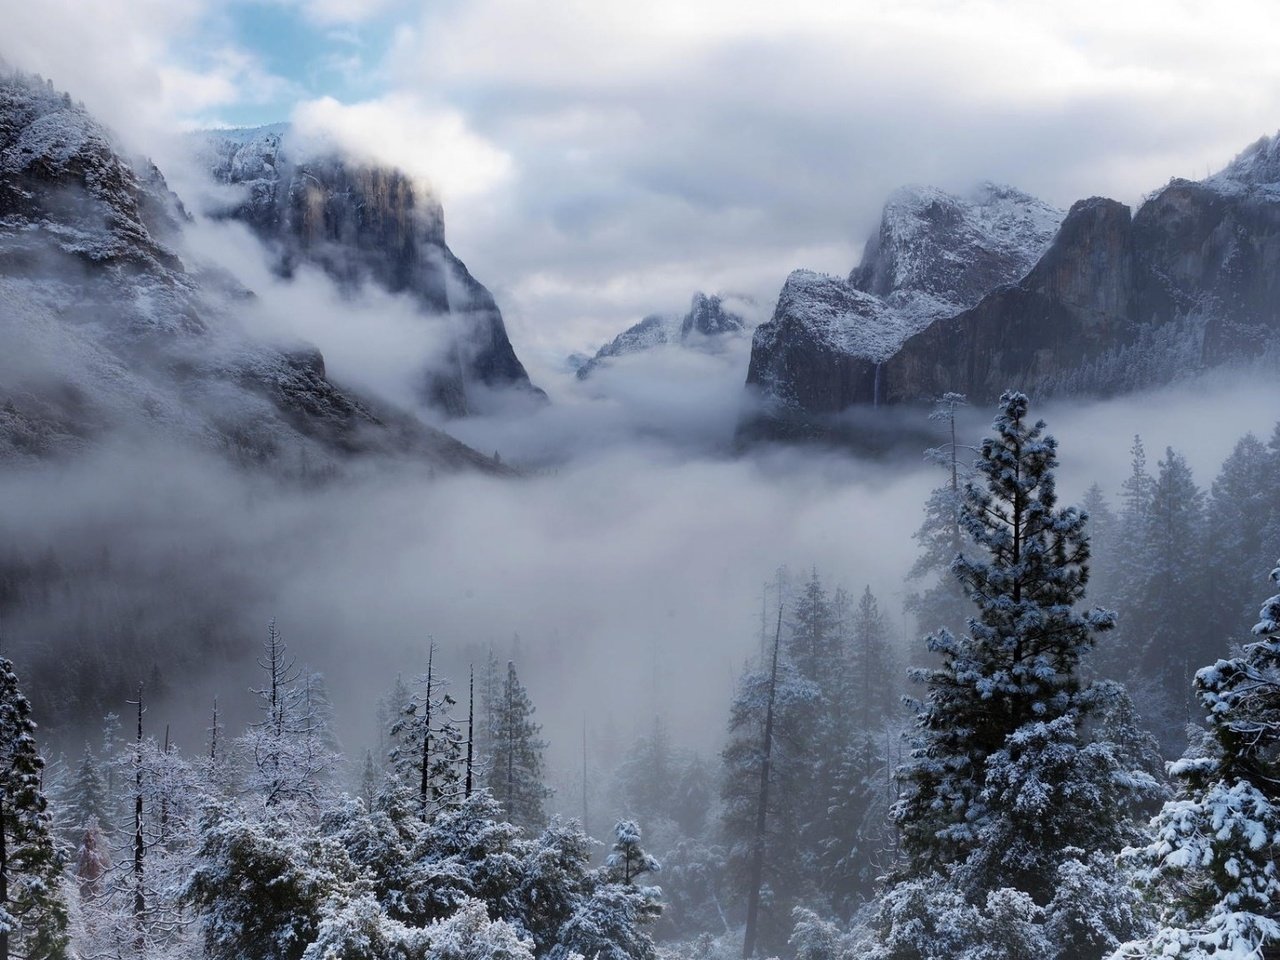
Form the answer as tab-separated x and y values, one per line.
600	160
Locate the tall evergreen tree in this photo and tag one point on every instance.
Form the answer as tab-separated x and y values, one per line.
1006	788
287	748
33	915
1167	614
941	535
1214	862
85	798
427	756
1238	542
515	756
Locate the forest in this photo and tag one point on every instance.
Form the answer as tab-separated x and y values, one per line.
1079	760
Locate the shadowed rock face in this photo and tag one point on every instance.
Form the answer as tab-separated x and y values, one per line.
106	331
934	255
368	224
1114	303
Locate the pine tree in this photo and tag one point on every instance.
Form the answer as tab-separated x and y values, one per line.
1006	787
33	916
287	748
769	718
1238	527
627	860
813	644
428	746
515	759
1166	618
1132	564
874	691
86	797
1213	862
941	535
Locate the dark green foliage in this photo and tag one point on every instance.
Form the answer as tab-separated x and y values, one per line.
30	865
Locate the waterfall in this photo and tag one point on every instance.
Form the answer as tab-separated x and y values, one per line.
875	389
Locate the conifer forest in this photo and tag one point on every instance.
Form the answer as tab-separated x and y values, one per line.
681	480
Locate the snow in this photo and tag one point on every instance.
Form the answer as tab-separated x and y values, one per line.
838	316
935	255
1255	170
927	235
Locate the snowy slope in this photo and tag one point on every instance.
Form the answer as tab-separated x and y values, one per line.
106	332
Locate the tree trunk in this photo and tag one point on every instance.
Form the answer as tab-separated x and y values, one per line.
424	787
756	879
139	848
4	880
471	728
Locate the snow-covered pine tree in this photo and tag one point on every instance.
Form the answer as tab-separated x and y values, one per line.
514	773
628	860
1213	862
1111	658
1006	787
33	915
85	797
427	751
288	759
1130	567
642	784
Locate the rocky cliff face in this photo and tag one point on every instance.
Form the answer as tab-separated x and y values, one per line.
933	256
707	321
367	224
107	332
1116	301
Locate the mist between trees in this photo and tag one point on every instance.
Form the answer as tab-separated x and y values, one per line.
1017	804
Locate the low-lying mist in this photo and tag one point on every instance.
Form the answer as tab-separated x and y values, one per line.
627	581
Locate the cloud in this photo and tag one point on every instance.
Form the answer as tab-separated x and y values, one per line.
701	138
599	160
432	144
144	67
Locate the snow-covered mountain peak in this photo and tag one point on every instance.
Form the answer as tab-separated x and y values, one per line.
936	253
49	144
839	316
1255	167
708	320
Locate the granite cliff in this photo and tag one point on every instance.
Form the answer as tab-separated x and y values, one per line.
107	332
1105	302
363	223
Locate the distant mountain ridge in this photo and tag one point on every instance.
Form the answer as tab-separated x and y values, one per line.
107	331
707	320
1102	302
363	223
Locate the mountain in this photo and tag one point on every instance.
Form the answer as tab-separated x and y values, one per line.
107	331
1115	302
933	255
707	321
364	223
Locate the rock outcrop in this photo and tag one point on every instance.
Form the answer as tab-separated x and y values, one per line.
371	224
933	256
703	327
1115	302
106	331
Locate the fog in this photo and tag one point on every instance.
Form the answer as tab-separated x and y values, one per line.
624	570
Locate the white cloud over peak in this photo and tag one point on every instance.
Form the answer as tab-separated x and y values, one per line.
432	144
